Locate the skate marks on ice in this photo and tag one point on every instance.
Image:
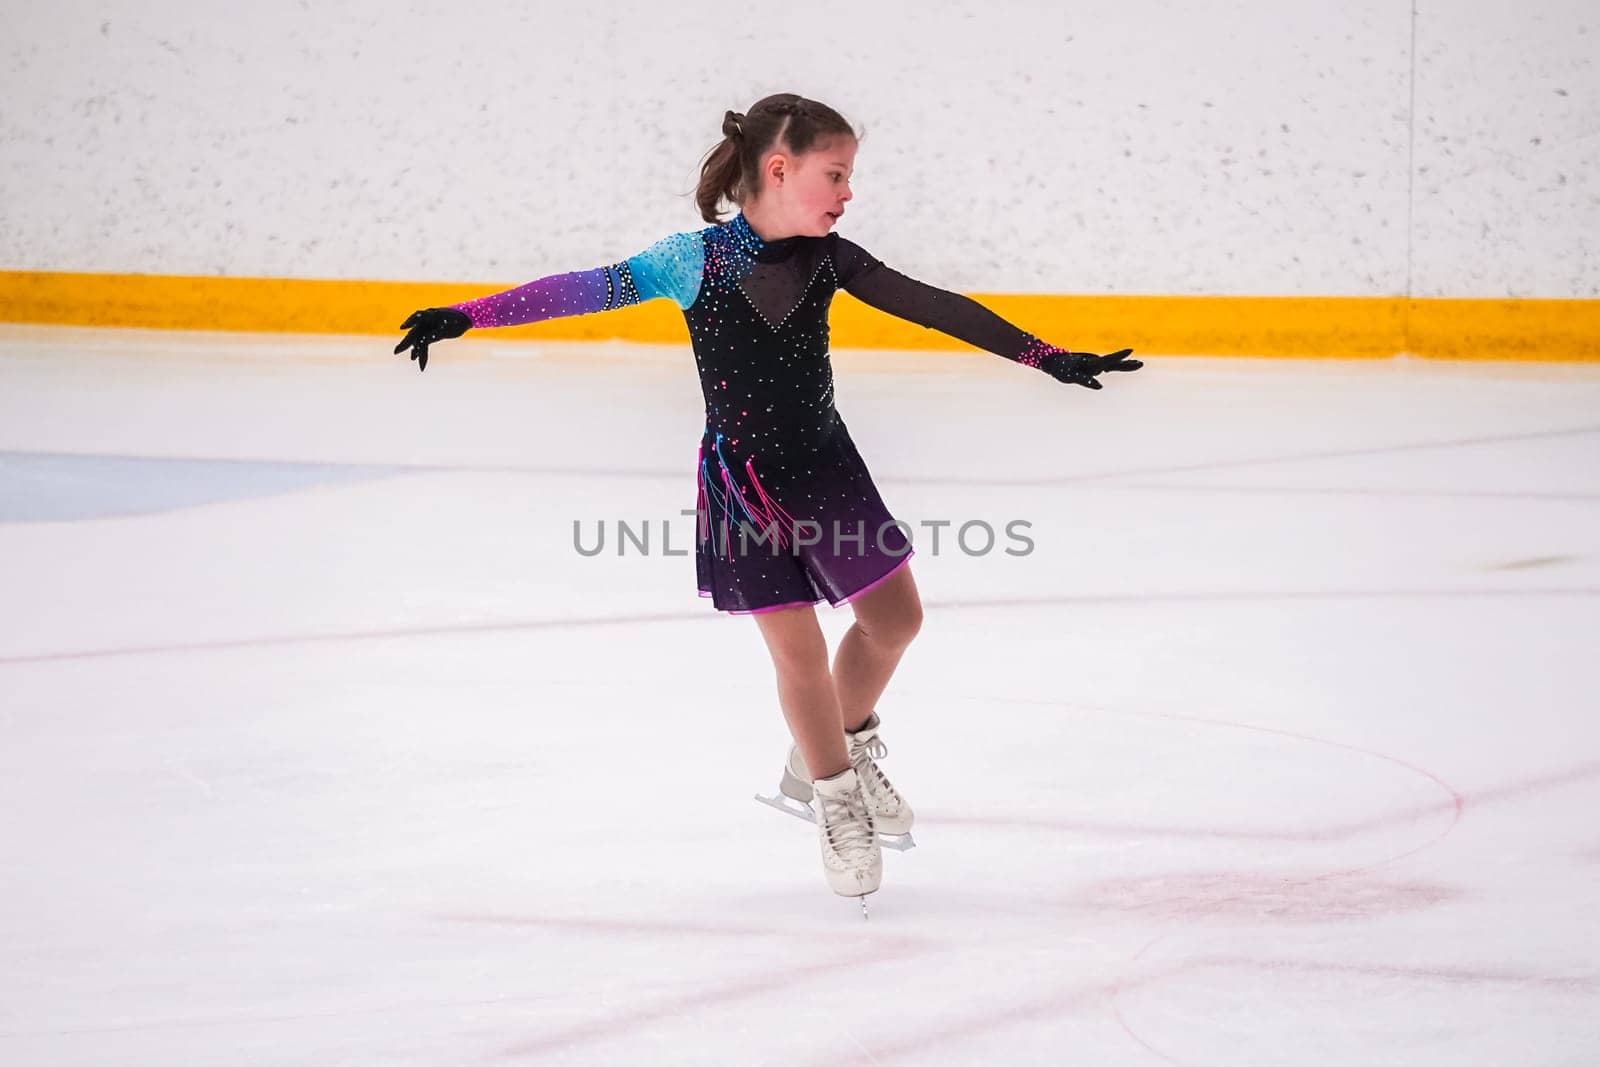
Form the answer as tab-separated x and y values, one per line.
1322	874
701	991
1201	914
1187	903
1385	1008
1283	785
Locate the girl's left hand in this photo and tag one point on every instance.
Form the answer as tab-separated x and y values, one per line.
1081	367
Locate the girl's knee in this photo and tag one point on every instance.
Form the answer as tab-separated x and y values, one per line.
896	629
911	623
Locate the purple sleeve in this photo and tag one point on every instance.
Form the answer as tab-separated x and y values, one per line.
577	293
865	277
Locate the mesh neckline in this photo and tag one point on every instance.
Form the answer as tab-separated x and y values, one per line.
759	250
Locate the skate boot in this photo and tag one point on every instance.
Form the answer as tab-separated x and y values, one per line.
890	812
851	860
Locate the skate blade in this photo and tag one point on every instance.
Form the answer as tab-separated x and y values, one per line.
802	810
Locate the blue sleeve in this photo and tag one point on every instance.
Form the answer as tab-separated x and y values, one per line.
672	267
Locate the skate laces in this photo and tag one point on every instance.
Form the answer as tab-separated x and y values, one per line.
865	755
847	822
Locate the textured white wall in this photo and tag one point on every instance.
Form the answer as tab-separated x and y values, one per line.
1103	146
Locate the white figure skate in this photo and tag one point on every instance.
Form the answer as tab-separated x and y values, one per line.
851	860
890	813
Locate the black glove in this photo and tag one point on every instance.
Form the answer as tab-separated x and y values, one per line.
430	325
1081	367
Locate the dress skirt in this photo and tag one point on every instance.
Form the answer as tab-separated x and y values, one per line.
781	534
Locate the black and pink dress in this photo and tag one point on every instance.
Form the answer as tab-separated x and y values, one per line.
788	513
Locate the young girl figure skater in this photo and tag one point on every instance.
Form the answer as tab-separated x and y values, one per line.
787	511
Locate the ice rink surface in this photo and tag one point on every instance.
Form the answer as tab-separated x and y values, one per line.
323	744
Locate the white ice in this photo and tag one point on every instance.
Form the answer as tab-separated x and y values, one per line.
325	746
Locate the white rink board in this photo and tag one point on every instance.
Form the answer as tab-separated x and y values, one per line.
1228	147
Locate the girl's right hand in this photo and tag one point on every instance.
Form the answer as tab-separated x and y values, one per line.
430	325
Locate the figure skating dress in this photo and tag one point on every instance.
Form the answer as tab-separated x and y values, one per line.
787	512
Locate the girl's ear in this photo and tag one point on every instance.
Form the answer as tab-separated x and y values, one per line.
775	165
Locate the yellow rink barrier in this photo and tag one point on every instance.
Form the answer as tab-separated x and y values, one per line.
1294	326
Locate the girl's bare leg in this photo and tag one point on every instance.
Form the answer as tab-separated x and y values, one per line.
887	618
805	687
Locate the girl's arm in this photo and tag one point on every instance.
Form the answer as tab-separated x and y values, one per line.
865	277
671	267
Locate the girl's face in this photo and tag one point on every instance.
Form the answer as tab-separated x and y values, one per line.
810	191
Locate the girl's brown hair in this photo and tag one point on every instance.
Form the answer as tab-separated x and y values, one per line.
786	119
